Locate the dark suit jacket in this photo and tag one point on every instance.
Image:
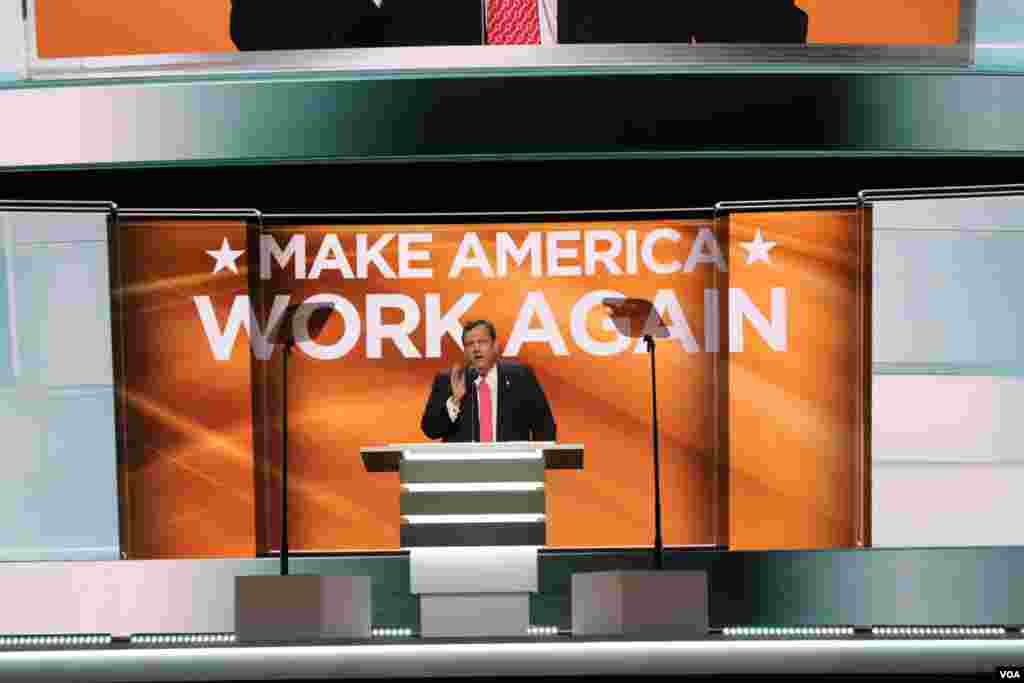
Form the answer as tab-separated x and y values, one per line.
325	24
680	21
523	410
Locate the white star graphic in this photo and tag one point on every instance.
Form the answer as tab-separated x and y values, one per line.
226	257
758	249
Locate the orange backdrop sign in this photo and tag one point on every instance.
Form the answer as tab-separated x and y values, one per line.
99	28
795	420
759	381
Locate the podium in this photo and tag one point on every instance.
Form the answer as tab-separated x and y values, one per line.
473	519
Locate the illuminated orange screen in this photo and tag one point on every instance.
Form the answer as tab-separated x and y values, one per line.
98	28
202	448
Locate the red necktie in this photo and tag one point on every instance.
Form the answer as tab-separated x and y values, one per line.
486	411
513	22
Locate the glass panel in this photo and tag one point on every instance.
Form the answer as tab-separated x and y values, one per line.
12	42
69	344
185	377
946	460
999	35
934	418
793	398
59	495
949	297
948	373
946	504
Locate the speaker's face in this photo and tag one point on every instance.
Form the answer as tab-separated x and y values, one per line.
481	348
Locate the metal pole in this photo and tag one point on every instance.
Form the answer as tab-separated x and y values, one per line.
658	544
284	462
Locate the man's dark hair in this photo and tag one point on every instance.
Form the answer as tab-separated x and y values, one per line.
479	323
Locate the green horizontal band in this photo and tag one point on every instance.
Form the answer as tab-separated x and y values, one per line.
452	535
475	503
448	472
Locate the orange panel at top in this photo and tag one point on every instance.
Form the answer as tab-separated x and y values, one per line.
107	28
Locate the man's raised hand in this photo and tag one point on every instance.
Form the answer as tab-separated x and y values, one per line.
458	379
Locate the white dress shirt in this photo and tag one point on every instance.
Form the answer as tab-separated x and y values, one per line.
548	10
454	408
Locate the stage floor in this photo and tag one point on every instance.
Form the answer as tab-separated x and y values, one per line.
171	620
553	656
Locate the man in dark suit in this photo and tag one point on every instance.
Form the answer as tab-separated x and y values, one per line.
682	21
327	24
488	399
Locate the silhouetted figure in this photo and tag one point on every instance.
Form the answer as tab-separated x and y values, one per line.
326	24
681	21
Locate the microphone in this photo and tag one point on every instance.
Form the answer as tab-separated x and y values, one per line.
471	375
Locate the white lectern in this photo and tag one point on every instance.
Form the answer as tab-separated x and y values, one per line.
473	518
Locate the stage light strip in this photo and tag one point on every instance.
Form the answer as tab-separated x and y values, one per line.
779	631
51	640
473	519
478	486
392	633
891	631
542	630
182	638
936	631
